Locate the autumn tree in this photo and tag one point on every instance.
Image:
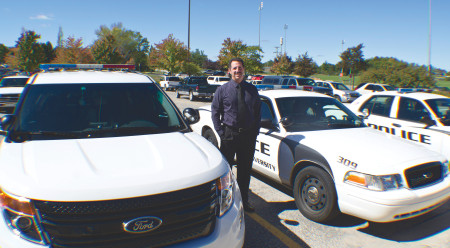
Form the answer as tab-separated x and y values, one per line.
131	45
282	65
352	60
105	51
170	54
251	55
191	68
73	52
305	66
198	57
396	73
3	53
29	52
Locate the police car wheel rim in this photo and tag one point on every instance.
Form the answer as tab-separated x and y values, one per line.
314	194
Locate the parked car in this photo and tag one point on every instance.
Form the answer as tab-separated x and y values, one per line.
170	82
419	117
104	159
218	80
300	83
10	89
340	91
219	73
196	87
314	145
365	88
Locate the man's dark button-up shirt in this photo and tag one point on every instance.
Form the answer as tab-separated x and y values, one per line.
224	107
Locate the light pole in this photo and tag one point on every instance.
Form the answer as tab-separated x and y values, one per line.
285	28
259	25
429	41
189	27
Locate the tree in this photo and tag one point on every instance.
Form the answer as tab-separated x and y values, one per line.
396	73
73	52
352	60
131	45
105	51
191	68
251	55
3	53
328	69
305	66
282	65
29	52
198	57
48	52
170	54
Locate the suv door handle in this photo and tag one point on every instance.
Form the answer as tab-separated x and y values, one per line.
396	125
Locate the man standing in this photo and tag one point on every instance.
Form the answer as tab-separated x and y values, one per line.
236	115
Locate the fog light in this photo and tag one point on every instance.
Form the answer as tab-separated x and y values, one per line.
23	223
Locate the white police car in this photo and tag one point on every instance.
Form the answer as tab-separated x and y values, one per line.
87	161
420	117
315	145
10	89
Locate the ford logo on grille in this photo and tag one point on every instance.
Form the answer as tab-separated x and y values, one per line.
142	224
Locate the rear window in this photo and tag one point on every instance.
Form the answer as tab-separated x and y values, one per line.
173	79
224	79
13	82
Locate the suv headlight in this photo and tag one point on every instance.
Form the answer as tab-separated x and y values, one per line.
20	217
377	183
226	191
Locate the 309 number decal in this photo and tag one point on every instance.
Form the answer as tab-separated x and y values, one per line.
347	162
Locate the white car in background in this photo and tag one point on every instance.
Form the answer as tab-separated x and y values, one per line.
170	82
340	91
365	88
218	80
317	147
422	118
10	89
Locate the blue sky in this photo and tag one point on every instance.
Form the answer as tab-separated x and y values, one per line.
387	28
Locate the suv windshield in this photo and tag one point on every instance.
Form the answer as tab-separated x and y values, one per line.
304	81
340	86
316	113
94	110
13	82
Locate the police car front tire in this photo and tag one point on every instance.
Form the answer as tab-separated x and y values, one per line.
315	194
211	137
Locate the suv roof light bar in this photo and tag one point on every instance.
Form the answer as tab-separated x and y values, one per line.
85	66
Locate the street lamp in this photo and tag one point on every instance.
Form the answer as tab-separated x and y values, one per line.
429	41
259	25
285	27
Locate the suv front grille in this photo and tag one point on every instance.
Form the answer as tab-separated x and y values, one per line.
186	214
423	175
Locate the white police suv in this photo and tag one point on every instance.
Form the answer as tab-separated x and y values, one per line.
87	161
315	145
10	89
420	117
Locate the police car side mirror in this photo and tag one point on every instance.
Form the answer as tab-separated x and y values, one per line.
365	113
286	121
191	115
427	121
267	123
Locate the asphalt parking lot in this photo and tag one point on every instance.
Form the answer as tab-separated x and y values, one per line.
277	222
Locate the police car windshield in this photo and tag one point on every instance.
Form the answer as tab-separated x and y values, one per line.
441	107
316	113
96	110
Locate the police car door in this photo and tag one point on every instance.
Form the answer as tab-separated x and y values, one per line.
408	116
379	109
268	142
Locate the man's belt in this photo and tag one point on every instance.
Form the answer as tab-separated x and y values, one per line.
238	129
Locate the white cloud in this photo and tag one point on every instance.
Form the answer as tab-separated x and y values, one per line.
41	17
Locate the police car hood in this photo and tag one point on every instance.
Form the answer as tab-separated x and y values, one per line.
373	151
108	168
11	90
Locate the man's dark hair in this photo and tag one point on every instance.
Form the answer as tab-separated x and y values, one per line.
236	59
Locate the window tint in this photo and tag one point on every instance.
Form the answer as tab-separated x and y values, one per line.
13	82
378	105
369	87
378	88
276	81
411	110
441	108
292	82
285	81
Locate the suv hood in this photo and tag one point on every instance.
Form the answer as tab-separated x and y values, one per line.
375	153
108	168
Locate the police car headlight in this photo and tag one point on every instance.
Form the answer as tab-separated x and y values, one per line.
226	186
20	217
377	183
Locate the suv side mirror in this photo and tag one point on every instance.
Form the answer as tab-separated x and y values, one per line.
191	115
5	121
427	121
267	123
286	121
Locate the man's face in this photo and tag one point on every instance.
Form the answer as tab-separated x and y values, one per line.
237	71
